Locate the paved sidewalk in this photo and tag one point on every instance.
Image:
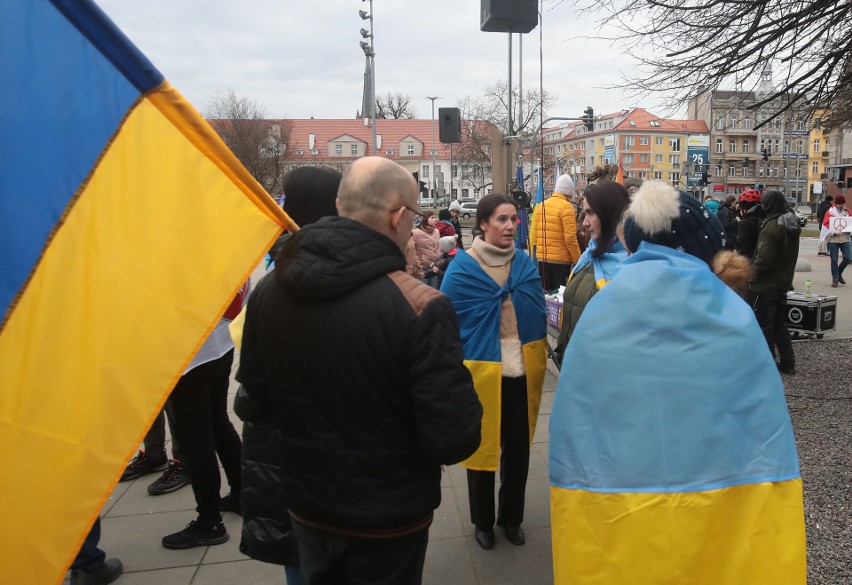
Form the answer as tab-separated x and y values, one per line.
134	522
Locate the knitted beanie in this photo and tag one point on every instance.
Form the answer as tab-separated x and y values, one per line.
565	185
661	215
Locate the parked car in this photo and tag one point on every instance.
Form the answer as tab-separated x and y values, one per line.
803	220
468	209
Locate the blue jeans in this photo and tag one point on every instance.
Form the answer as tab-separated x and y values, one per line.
431	280
846	249
90	557
293	575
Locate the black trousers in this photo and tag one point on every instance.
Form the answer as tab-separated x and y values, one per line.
199	405
155	440
771	313
327	558
514	463
553	275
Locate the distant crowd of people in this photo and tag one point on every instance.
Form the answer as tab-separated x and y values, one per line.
378	348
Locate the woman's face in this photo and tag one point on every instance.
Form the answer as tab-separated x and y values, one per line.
591	223
499	229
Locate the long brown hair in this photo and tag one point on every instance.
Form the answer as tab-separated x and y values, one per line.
424	221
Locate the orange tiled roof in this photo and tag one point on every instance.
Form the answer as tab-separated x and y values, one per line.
392	133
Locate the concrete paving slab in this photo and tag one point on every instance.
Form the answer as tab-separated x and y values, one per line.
246	572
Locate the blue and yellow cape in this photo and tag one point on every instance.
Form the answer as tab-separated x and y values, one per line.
477	300
672	457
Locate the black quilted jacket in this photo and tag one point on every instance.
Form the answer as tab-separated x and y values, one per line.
361	366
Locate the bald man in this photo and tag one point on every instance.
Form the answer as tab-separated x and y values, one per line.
360	366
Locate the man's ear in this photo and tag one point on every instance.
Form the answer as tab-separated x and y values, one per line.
394	220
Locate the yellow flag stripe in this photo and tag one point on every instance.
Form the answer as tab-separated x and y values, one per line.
132	283
744	534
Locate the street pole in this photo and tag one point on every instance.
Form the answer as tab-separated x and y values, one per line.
371	56
434	152
451	170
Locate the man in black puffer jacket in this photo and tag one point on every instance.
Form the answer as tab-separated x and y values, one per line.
361	366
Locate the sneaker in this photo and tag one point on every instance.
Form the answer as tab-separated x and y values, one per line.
840	280
834	284
108	572
197	533
231	503
174	478
144	464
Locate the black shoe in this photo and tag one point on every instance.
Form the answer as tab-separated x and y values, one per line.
840	280
143	464
108	572
515	534
231	503
197	533
785	369
485	539
174	478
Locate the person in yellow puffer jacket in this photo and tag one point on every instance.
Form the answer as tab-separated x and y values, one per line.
554	235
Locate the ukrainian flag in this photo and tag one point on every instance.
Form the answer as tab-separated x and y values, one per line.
478	300
126	227
672	457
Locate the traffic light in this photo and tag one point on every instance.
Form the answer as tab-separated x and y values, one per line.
589	118
705	179
765	154
424	190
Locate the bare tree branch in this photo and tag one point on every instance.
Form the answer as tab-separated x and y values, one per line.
260	144
395	106
685	47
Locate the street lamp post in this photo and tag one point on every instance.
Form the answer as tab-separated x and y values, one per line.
434	152
371	57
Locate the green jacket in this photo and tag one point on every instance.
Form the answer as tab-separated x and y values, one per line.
777	250
578	292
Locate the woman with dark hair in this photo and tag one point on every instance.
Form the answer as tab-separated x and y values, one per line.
427	250
603	205
499	302
310	194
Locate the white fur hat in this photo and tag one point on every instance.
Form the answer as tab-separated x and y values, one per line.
565	185
447	243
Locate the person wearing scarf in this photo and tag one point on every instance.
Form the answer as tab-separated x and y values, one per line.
603	205
664	466
497	294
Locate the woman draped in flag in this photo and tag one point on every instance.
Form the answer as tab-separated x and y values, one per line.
497	295
665	468
603	206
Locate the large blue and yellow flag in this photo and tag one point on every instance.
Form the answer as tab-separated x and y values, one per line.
478	301
126	227
672	457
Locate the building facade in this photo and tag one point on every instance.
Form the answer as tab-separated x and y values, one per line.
787	153
455	171
646	146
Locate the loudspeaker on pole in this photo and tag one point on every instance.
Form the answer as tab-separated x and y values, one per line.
449	126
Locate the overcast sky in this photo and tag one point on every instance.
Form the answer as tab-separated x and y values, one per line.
299	59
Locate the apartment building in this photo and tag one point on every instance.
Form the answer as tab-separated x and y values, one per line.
796	151
459	170
647	147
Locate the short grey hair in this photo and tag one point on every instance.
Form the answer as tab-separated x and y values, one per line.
379	187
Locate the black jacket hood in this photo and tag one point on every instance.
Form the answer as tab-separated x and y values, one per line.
327	259
774	204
